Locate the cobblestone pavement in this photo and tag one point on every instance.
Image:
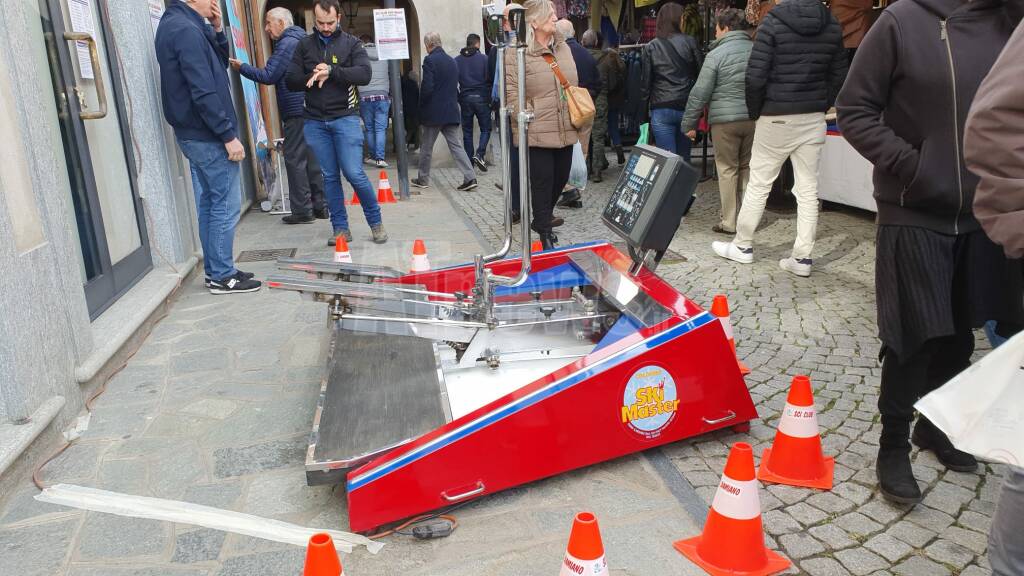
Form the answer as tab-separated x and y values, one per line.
822	326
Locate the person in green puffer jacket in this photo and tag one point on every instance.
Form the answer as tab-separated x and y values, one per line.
721	87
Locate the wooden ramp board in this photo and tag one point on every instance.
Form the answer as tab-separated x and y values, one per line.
381	391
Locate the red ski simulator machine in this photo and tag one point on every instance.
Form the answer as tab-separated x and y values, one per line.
449	385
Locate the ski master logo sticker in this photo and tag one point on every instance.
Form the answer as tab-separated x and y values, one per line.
649	402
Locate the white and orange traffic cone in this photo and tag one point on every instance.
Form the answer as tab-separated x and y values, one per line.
536	246
321	557
420	262
341	253
795	457
720	309
585	552
732	543
384	193
355	199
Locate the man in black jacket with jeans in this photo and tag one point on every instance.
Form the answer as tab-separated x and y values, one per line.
795	71
328	65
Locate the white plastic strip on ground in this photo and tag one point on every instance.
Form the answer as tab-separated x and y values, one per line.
197	515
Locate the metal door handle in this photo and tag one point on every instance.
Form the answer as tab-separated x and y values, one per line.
729	416
101	91
478	490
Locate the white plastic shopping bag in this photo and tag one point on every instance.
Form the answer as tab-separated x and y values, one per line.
982	408
578	173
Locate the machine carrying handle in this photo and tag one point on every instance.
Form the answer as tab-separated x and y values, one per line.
473	492
729	416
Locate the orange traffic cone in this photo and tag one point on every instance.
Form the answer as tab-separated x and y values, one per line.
720	309
341	253
419	263
355	199
732	543
795	457
536	246
384	193
585	553
321	557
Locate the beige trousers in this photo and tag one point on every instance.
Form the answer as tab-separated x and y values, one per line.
733	142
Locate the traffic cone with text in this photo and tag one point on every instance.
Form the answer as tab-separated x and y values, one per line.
341	253
585	552
420	262
321	557
795	457
384	193
720	309
732	543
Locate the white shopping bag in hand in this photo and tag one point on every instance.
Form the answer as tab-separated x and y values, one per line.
982	408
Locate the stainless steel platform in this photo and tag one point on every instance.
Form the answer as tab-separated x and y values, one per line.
378	394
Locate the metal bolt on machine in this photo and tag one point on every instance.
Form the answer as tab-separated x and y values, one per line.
452	384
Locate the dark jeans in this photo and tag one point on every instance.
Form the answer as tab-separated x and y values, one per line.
473	105
905	381
667	132
338	145
217	187
549	171
305	181
613	127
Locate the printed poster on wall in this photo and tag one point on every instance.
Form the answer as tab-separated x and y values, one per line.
251	93
391	34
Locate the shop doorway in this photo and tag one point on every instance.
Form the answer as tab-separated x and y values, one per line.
113	248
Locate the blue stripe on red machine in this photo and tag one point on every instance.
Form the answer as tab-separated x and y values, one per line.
531	399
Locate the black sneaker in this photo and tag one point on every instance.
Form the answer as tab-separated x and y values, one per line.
238	274
467	185
321	214
234	285
298	219
479	162
419	183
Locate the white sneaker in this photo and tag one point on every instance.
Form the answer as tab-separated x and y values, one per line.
733	252
801	267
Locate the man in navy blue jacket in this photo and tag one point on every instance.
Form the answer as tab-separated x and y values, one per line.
193	57
305	182
439	112
474	98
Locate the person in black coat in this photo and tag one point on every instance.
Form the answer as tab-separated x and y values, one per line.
305	181
669	66
439	112
589	78
411	108
794	74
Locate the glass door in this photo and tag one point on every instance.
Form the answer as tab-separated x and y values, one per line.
85	69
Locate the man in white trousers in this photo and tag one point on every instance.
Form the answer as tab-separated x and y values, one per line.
795	71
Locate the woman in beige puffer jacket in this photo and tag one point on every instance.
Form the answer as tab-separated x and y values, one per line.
551	133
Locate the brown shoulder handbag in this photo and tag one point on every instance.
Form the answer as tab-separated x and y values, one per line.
581	105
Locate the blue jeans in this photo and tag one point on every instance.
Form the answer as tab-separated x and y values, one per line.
375	119
338	145
215	181
474	105
613	127
668	134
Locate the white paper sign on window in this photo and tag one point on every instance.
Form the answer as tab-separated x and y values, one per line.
81	21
